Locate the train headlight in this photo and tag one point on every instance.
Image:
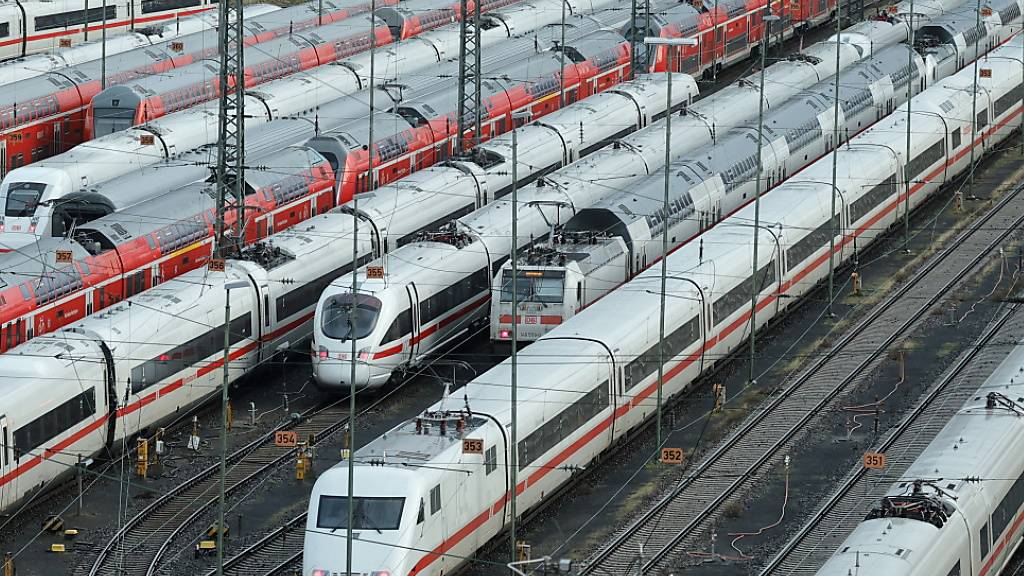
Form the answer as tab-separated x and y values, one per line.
319	572
322	354
381	573
364	355
504	334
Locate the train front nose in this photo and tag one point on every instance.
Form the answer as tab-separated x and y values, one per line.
334	372
340	317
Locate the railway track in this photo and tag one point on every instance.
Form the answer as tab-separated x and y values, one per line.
271	555
679	520
142	543
817	539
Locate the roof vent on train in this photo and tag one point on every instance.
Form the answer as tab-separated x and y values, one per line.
484	158
266	255
447	234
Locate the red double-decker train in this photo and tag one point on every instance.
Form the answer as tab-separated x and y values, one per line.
58	281
45	115
133	103
424	130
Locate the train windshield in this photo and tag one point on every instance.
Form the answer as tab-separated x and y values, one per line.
545	286
342	319
23	198
379	514
110	120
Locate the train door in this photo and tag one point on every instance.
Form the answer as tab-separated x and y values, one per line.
266	320
6	453
3	158
414	337
56	138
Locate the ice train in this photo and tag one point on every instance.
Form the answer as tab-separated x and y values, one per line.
28	26
171	324
426	505
442	304
959	508
606	244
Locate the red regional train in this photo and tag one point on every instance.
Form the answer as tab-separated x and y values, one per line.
122	254
726	30
45	115
424	130
130	104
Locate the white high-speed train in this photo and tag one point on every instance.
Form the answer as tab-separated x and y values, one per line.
286	274
442	304
606	244
959	508
424	505
28	26
162	142
435	288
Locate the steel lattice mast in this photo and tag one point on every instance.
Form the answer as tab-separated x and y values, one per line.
468	117
230	124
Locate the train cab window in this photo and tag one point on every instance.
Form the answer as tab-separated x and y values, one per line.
23	198
110	120
955	570
982	120
341	317
435	499
420	516
983	536
368	513
954	139
5	29
534	286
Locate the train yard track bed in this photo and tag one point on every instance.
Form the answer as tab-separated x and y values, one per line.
106	486
614	495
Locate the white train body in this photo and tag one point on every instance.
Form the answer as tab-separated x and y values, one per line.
156	354
550	200
27	27
610	242
396	215
312	95
605	244
570	411
959	508
272	314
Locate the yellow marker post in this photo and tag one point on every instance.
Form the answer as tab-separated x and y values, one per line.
142	455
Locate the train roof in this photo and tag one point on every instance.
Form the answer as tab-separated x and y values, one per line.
52	362
355	135
402	445
33	260
184	301
182	204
